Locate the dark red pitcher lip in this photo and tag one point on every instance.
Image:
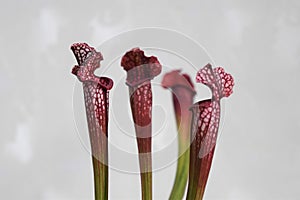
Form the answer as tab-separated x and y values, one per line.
139	67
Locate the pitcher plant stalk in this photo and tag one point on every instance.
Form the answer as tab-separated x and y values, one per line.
182	94
96	96
204	128
140	71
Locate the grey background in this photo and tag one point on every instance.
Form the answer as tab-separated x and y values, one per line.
257	156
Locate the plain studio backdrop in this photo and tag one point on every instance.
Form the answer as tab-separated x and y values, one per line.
257	155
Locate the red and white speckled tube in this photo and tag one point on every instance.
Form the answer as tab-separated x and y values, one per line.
140	71
96	95
204	127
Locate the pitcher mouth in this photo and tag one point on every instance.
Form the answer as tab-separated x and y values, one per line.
139	67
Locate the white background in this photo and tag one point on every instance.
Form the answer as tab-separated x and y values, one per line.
257	156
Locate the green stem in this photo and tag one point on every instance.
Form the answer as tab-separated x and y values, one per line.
183	120
182	172
100	179
146	179
100	166
145	160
